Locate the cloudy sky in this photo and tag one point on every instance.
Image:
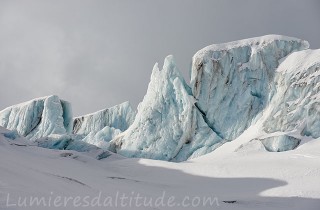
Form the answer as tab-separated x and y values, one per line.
99	53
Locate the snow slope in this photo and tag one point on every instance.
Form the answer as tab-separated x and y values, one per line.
254	179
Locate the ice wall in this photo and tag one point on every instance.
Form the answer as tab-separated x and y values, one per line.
295	106
232	81
38	118
100	127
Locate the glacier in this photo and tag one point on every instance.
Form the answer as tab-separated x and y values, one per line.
100	127
39	117
269	83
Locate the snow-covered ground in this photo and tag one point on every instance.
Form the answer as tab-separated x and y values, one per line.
251	176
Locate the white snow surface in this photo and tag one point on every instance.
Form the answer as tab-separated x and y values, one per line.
256	43
254	179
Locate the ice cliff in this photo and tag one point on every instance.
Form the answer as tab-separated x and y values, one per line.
38	118
296	100
100	127
295	105
232	82
166	121
52	117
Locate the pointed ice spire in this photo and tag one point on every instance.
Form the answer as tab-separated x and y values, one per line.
165	119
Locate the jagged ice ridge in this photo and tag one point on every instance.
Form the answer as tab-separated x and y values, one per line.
271	81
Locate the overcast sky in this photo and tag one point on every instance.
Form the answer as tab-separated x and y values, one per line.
99	53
